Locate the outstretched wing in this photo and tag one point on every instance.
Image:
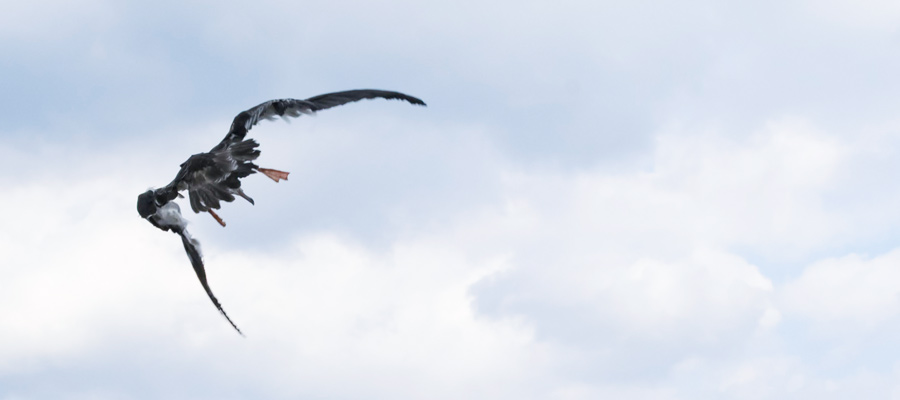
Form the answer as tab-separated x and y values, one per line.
294	108
190	247
325	101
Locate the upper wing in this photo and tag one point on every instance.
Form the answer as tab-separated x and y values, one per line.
190	247
294	108
324	101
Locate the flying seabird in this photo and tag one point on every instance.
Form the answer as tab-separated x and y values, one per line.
215	176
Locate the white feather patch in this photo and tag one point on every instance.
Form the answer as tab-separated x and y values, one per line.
170	215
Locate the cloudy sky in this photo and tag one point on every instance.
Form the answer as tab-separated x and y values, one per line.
603	199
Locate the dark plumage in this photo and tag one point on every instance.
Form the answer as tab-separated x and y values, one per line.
214	177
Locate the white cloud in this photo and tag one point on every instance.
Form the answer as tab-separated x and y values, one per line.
559	285
853	291
555	285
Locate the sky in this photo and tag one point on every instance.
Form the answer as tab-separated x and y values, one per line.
603	199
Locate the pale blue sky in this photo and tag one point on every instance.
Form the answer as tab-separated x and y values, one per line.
632	200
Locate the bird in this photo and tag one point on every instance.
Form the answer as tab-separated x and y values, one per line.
214	177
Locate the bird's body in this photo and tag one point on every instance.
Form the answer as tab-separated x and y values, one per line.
215	176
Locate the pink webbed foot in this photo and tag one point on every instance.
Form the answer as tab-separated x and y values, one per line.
274	174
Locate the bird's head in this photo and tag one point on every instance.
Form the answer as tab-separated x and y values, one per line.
146	204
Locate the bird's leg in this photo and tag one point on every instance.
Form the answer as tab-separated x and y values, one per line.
216	216
274	174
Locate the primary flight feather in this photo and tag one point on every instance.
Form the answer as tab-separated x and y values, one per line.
215	176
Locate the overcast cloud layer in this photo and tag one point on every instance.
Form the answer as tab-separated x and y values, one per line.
631	200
